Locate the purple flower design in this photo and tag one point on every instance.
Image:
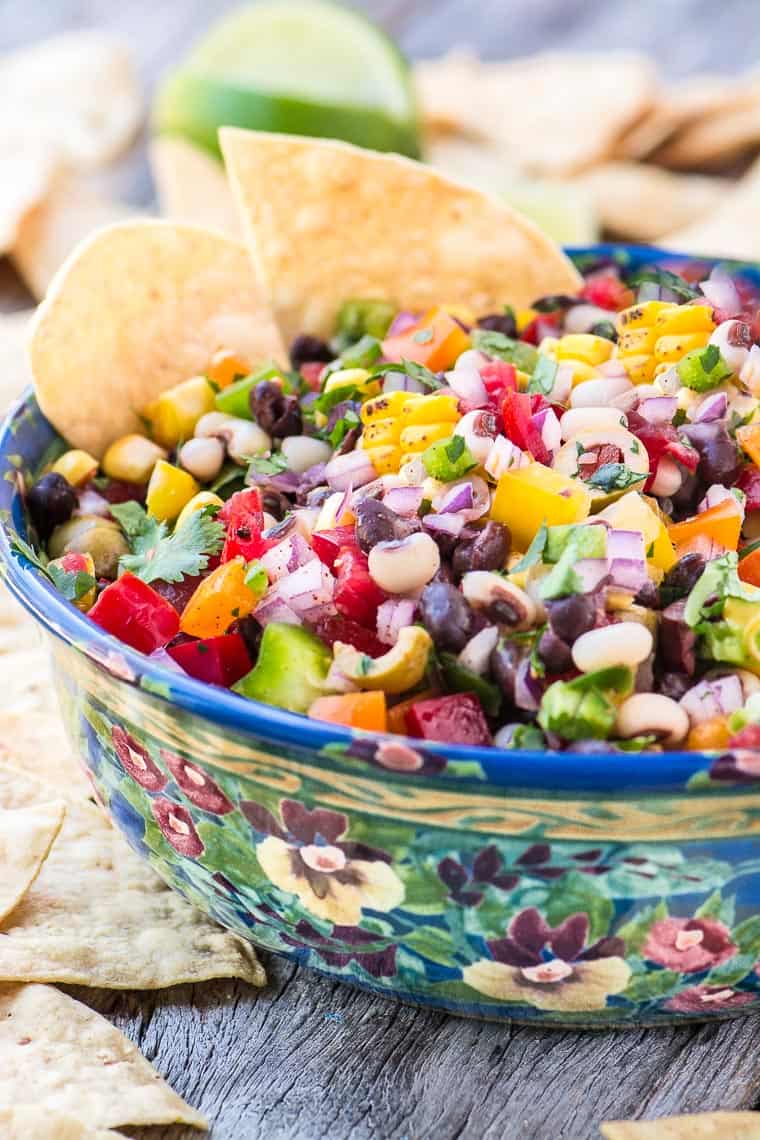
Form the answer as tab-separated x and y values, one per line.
707	999
333	949
465	884
742	766
307	855
395	756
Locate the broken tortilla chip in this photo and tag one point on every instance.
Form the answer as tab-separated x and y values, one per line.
346	222
553	114
98	915
732	230
717	138
35	1122
77	1063
26	836
698	1126
192	186
27	169
137	308
641	202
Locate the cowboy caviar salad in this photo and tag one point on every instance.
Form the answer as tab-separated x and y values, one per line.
522	528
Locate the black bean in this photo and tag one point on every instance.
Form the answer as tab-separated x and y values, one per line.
499	322
570	617
554	652
674	685
719	459
51	501
681	579
488	550
446	615
305	349
276	504
648	595
677	641
377	523
506	658
251	632
276	413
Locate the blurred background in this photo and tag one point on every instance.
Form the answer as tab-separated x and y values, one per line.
637	119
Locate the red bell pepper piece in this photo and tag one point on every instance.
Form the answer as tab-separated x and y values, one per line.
356	595
327	544
607	291
455	719
340	628
749	482
499	377
748	737
219	660
546	324
312	370
134	612
243	518
516	412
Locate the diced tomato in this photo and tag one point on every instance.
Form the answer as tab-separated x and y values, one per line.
327	544
435	341
134	612
356	595
516	412
340	628
243	518
660	440
749	482
499	377
455	719
607	291
547	324
749	568
312	373
216	660
749	737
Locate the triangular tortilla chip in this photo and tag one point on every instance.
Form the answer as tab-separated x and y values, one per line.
327	221
26	836
75	1062
192	186
732	230
699	1126
98	915
137	308
35	1122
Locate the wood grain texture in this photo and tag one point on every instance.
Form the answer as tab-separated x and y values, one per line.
308	1058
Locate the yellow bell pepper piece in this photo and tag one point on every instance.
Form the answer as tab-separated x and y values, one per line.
173	416
169	489
220	599
132	458
523	317
535	494
77	467
197	503
585	347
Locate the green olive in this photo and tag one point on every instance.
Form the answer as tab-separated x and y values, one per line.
91	534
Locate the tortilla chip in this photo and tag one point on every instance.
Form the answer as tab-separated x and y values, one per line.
699	1126
71	212
733	230
717	138
98	915
192	186
79	93
77	1063
26	836
14	370
34	1122
641	203
137	308
326	221
27	168
552	113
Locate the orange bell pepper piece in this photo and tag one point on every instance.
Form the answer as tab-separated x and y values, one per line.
709	734
748	438
749	568
721	523
357	710
397	714
436	341
219	600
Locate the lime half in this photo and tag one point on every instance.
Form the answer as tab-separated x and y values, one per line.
297	66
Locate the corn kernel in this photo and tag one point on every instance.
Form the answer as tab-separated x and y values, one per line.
637	342
640	369
430	410
380	432
173	416
581	371
225	367
386	460
77	467
523	317
643	315
685	319
169	489
132	458
197	503
353	377
586	347
419	436
382	407
670	349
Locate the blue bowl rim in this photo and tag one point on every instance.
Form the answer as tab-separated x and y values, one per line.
552	771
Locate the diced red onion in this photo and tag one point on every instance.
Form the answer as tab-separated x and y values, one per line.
528	689
353	469
444	523
459	498
404	501
480	493
477	652
591	571
504	456
551	433
466	383
91	503
713	407
274	608
722	293
716	494
582	318
310	585
286	556
400	382
713	696
626	544
658	409
401	322
392	616
628	574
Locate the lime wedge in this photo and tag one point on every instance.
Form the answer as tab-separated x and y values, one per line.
303	67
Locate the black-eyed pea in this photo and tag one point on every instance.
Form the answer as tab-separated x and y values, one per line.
404	566
203	458
501	600
652	714
622	643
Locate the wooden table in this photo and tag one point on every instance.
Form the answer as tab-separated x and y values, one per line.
308	1058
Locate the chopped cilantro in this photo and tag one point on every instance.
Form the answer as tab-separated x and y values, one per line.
273	464
341	428
157	555
455	448
614	477
230	475
703	368
365	664
424	336
544	375
412	369
666	280
523	356
73	584
535	550
325	402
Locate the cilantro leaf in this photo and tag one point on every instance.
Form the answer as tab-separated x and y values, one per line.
544	375
524	356
412	369
328	400
157	555
73	584
455	448
424	336
666	280
614	477
533	554
341	428
273	464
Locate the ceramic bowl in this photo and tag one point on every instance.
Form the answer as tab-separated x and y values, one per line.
594	890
